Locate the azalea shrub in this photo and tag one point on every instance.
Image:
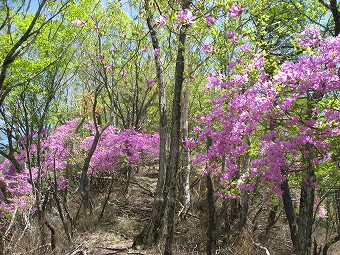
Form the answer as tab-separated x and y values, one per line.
61	156
267	128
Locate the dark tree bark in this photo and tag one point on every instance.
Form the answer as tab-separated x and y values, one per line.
290	213
336	16
85	168
244	201
2	245
211	229
271	217
306	209
53	235
185	166
305	222
333	7
330	243
175	140
152	231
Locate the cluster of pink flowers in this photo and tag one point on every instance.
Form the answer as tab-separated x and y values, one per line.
156	51
123	73
78	23
66	147
161	21
109	67
117	148
151	83
210	19
185	17
235	10
208	47
259	119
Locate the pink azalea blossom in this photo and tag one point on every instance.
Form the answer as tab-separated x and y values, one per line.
161	21
207	47
123	73
259	61
210	19
185	17
109	67
156	51
213	80
309	37
78	23
151	83
235	10
145	48
231	64
232	36
245	48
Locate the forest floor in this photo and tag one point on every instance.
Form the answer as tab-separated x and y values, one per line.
126	213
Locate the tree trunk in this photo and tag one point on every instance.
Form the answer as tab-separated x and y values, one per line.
152	231
211	230
305	221
306	209
244	206
290	214
330	243
185	169
244	201
336	16
271	218
83	180
175	141
2	245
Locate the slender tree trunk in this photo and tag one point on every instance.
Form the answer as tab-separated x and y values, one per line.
175	141
306	209
290	214
305	222
2	245
53	236
244	206
244	201
211	229
305	219
83	180
271	218
107	198
330	243
336	16
153	230
185	173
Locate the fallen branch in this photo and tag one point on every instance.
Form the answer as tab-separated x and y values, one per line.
79	252
121	249
262	247
136	252
117	249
